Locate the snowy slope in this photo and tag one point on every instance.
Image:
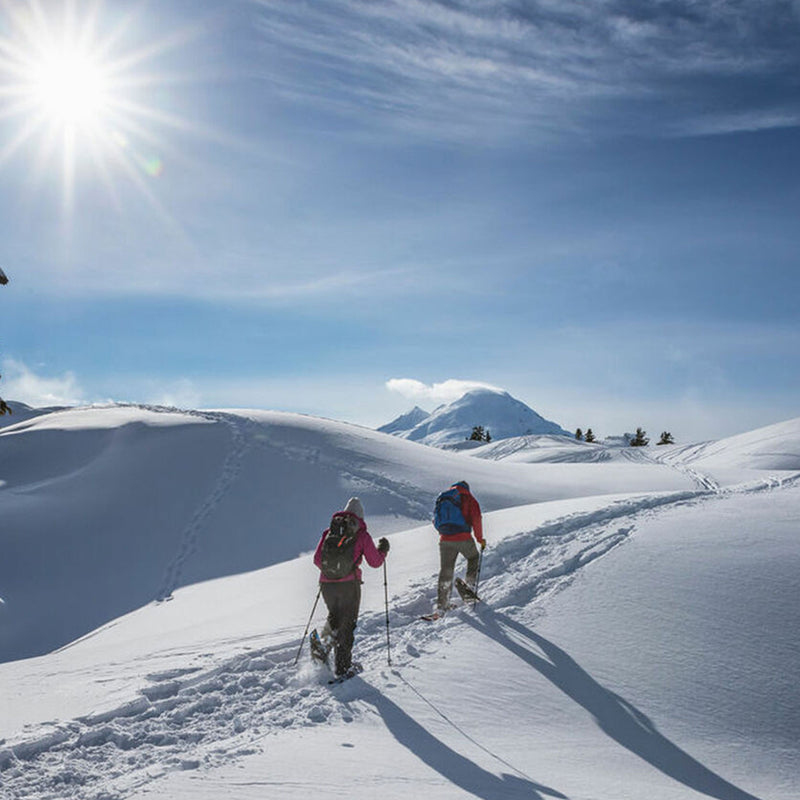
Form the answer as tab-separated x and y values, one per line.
22	412
620	655
107	508
498	412
775	447
635	644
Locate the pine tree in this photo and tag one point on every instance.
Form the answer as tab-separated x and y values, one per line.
589	435
666	438
579	435
640	439
477	434
488	436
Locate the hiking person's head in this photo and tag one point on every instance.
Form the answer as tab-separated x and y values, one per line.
354	507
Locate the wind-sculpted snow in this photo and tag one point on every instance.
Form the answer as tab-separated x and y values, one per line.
200	718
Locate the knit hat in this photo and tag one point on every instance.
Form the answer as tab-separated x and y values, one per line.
354	507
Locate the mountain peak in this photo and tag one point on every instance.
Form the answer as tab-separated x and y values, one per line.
495	409
405	422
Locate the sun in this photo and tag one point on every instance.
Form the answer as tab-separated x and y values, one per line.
77	82
71	89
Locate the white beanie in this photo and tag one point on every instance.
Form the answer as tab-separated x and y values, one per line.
354	507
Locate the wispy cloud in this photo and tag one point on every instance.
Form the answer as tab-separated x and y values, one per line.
444	392
460	65
24	385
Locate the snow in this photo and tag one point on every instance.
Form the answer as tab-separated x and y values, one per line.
637	636
502	415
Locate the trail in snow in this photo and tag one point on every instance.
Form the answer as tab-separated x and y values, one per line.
702	480
185	719
230	470
189	537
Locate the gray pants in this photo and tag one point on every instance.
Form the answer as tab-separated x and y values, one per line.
448	553
343	599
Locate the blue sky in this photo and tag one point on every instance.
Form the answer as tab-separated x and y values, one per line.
592	205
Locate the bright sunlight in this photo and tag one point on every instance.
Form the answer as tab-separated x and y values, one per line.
71	89
76	89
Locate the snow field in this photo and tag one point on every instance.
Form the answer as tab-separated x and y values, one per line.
631	645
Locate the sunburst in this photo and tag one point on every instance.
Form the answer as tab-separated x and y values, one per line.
71	93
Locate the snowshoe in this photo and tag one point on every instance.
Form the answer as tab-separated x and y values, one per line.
438	613
467	593
319	652
355	669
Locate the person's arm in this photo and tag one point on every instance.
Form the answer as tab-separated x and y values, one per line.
318	553
475	518
374	556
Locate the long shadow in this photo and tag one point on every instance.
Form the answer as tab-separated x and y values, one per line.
622	721
452	766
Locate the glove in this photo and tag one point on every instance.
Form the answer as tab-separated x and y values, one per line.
483	545
383	545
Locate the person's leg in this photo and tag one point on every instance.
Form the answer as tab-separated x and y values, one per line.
448	552
349	602
330	595
469	550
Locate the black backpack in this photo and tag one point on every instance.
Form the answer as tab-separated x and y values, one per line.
338	549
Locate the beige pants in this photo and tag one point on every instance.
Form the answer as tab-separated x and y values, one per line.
448	553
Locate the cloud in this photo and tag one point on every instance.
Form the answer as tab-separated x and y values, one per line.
24	385
444	392
460	67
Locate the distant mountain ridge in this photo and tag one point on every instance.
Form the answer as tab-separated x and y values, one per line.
406	422
502	415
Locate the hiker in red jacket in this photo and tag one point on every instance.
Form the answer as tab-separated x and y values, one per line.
348	542
457	517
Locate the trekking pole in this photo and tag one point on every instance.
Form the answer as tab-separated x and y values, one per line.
478	576
308	625
386	601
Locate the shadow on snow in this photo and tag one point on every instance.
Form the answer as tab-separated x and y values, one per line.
454	767
622	721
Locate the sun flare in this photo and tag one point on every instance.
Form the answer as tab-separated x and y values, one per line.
71	88
77	84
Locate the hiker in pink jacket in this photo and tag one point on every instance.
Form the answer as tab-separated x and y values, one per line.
339	554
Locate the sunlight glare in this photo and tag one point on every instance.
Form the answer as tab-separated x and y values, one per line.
77	99
70	89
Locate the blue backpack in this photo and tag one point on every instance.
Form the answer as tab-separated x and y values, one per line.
448	518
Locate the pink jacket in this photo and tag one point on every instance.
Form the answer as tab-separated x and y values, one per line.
365	548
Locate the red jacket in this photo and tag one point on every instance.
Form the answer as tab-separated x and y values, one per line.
365	548
472	514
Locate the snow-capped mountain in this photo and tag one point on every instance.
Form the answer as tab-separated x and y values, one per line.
405	422
502	415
